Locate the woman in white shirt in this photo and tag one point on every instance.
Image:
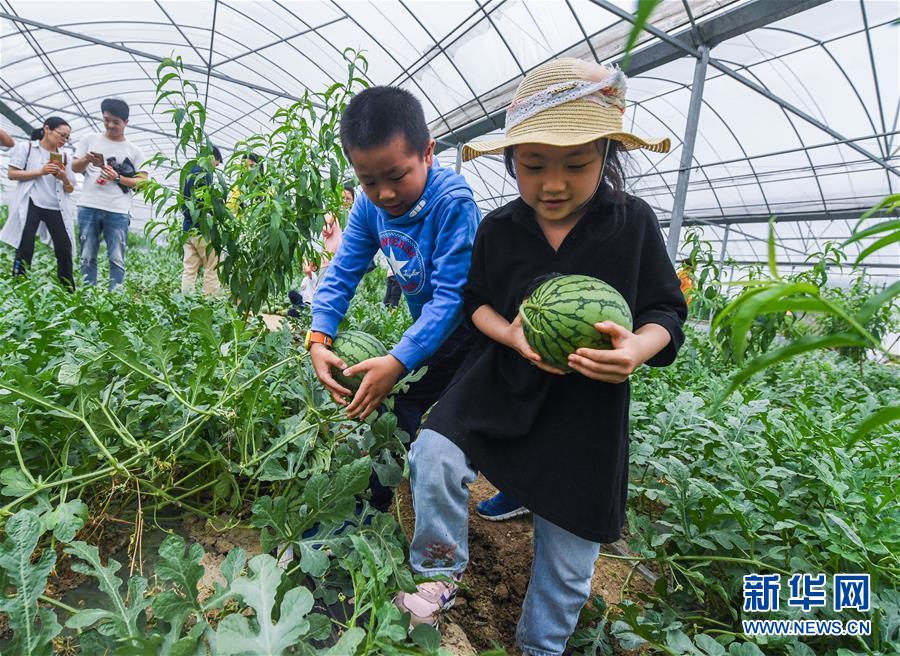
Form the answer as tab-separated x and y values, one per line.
41	203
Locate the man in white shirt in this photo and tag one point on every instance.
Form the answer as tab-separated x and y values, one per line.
112	168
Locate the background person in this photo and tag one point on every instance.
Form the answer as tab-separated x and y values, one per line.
112	167
44	180
197	252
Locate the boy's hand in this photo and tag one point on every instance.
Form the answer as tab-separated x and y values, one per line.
516	340
379	377
323	359
614	365
108	172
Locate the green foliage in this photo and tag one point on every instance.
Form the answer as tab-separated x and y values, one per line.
236	637
262	220
768	482
33	627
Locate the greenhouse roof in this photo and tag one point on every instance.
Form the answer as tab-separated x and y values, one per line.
797	104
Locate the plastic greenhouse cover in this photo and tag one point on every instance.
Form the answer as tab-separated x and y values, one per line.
836	62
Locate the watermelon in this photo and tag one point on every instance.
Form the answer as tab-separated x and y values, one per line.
354	346
559	316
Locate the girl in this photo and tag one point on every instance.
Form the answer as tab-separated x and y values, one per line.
557	443
41	205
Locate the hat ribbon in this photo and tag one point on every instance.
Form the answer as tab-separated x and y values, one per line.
608	93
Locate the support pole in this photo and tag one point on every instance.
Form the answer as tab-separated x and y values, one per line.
459	149
687	152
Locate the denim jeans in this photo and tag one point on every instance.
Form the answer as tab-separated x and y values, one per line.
93	222
421	395
561	569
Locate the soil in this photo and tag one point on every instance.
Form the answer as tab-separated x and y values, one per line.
487	608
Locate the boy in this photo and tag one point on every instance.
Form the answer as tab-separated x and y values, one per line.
112	168
423	218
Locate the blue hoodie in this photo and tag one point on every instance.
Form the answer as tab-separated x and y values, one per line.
429	249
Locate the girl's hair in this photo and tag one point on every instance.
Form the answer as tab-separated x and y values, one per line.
613	171
51	123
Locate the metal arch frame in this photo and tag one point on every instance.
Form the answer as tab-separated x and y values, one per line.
748	158
606	4
69	112
50	66
824	46
394	59
733	22
812	167
292	46
710	107
146	55
183	35
499	33
446	56
407	72
865	17
84	66
284	39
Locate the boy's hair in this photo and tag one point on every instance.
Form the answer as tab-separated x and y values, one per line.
613	171
253	157
348	186
217	153
116	107
377	115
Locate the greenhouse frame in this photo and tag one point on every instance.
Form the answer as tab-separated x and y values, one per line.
665	421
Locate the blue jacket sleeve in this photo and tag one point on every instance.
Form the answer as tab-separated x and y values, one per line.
344	273
442	314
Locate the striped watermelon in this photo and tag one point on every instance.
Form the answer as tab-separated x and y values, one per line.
559	316
354	346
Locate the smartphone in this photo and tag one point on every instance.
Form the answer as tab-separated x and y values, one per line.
98	157
56	157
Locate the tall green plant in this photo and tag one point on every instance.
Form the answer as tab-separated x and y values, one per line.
775	295
262	220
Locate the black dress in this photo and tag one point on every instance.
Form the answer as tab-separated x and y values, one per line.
558	444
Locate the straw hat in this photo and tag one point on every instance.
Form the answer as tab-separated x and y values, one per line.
567	102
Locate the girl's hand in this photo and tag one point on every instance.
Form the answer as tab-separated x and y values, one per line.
379	377
515	339
609	366
50	168
60	174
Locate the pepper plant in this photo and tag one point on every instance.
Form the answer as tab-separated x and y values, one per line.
262	220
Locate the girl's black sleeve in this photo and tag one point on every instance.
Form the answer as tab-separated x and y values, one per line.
659	297
476	292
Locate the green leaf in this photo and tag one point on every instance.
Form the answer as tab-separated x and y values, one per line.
122	618
427	637
313	561
348	642
709	646
886	415
15	483
641	17
67	519
797	347
182	569
235	636
33	628
871	306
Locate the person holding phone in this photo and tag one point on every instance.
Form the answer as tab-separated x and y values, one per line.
44	180
112	168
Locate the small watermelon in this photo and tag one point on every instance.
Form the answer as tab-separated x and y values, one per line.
354	346
559	316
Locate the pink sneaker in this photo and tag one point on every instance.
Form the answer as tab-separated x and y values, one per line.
426	603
